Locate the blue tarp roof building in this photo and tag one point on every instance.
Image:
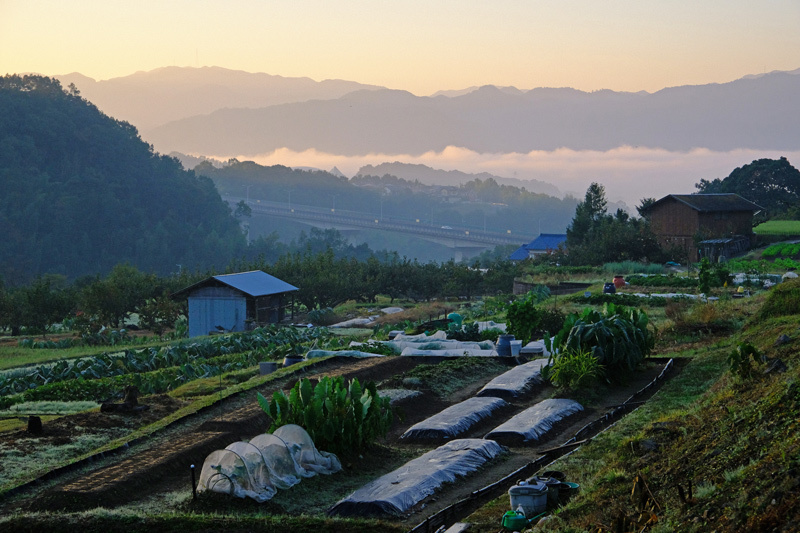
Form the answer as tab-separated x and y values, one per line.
544	243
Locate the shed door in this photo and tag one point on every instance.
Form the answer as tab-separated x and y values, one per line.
205	314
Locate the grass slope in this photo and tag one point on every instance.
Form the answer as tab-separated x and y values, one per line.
735	441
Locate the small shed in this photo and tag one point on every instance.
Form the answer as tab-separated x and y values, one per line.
545	243
237	302
682	221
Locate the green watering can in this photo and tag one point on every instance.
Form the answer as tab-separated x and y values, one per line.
516	521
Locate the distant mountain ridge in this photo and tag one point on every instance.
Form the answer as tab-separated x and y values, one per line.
149	99
753	113
431	176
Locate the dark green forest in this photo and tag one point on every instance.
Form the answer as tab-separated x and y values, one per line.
82	193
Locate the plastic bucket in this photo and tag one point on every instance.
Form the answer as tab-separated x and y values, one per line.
268	367
531	497
504	345
566	491
516	346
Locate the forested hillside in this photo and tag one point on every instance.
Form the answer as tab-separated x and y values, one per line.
82	192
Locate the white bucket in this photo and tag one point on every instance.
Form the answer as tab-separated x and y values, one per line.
532	497
516	346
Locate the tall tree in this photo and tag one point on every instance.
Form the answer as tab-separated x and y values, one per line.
773	184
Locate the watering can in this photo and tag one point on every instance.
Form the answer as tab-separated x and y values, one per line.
514	520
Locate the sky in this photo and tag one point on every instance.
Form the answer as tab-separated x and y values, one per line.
417	45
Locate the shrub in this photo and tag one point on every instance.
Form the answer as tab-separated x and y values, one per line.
525	320
619	337
574	370
784	299
739	360
340	418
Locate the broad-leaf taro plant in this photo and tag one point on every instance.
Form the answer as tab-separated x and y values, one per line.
341	418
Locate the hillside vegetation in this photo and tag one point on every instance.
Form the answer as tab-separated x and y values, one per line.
82	192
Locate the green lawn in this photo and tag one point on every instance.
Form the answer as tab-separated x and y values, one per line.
778	227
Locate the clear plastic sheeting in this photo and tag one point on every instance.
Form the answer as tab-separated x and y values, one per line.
227	472
311	460
312	354
397	492
399	346
455	420
284	472
456	352
516	382
532	423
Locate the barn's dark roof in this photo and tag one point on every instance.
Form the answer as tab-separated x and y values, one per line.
254	283
709	203
544	242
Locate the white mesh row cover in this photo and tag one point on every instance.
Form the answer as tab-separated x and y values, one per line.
532	423
284	472
398	491
227	472
516	382
256	469
311	460
455	420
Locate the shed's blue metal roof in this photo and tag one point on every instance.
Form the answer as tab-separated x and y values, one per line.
547	241
544	242
255	283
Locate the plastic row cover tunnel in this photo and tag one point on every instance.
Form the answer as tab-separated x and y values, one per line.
398	491
532	423
256	469
516	382
455	420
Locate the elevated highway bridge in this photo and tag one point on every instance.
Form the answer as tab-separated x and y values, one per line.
464	240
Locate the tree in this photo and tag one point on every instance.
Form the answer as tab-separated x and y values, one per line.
588	215
594	237
120	293
772	184
44	302
242	210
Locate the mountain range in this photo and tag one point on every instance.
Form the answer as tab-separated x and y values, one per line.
753	113
221	112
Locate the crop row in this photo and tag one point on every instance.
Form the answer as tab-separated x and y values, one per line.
662	281
267	341
154	382
783	249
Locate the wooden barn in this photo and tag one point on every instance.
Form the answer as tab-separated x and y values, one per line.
237	302
683	221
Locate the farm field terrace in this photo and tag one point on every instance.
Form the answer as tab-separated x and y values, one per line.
170	494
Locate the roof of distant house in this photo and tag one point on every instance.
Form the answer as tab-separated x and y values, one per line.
254	283
542	243
708	203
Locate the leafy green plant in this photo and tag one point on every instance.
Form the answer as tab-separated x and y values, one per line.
574	370
525	320
739	360
619	337
339	417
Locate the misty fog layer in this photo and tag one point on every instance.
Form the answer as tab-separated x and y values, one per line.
629	174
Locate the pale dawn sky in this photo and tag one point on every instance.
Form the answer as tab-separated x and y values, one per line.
416	45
